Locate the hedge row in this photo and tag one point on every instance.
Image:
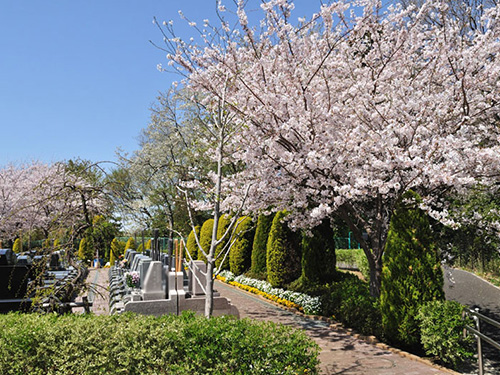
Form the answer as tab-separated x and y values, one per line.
132	344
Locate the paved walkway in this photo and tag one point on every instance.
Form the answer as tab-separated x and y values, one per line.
98	294
340	352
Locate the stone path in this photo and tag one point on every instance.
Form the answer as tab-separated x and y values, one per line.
340	352
98	293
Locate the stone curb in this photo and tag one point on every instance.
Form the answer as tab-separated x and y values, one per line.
372	340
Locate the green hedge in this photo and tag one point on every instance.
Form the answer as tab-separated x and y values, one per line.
133	344
240	255
356	258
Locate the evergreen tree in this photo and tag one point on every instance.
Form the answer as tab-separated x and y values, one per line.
412	273
114	252
191	244
205	238
283	253
259	247
17	247
85	250
240	255
224	222
129	245
318	254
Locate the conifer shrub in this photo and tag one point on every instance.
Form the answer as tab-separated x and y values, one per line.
148	244
283	253
116	249
191	244
129	245
240	255
85	249
224	222
441	329
412	273
17	247
140	248
259	247
205	238
318	254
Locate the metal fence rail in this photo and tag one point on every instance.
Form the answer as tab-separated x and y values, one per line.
477	317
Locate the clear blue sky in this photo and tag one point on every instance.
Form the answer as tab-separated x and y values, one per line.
77	77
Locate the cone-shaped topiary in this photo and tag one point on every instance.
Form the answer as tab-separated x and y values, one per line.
17	247
412	273
283	253
129	245
224	222
148	244
240	255
318	254
259	247
116	249
85	250
191	244
205	238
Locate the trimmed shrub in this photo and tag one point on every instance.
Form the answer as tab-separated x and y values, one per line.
133	344
259	247
224	222
240	255
283	253
318	254
17	247
411	274
116	249
441	329
205	238
85	250
129	245
148	244
191	244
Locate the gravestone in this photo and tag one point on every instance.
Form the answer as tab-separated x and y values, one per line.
152	288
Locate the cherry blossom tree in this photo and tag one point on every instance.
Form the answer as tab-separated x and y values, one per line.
341	114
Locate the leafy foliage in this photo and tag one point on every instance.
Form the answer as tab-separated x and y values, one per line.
318	254
129	245
224	222
412	273
133	344
355	258
116	249
283	253
441	327
349	301
259	247
205	238
85	249
191	244
240	255
17	246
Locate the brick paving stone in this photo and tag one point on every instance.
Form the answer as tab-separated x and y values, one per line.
341	353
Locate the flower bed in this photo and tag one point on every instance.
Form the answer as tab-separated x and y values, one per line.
299	301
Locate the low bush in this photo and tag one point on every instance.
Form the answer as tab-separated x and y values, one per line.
132	344
441	330
350	302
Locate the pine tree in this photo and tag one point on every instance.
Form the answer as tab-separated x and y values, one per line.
224	222
259	247
412	273
191	244
115	251
283	253
240	255
205	238
318	254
